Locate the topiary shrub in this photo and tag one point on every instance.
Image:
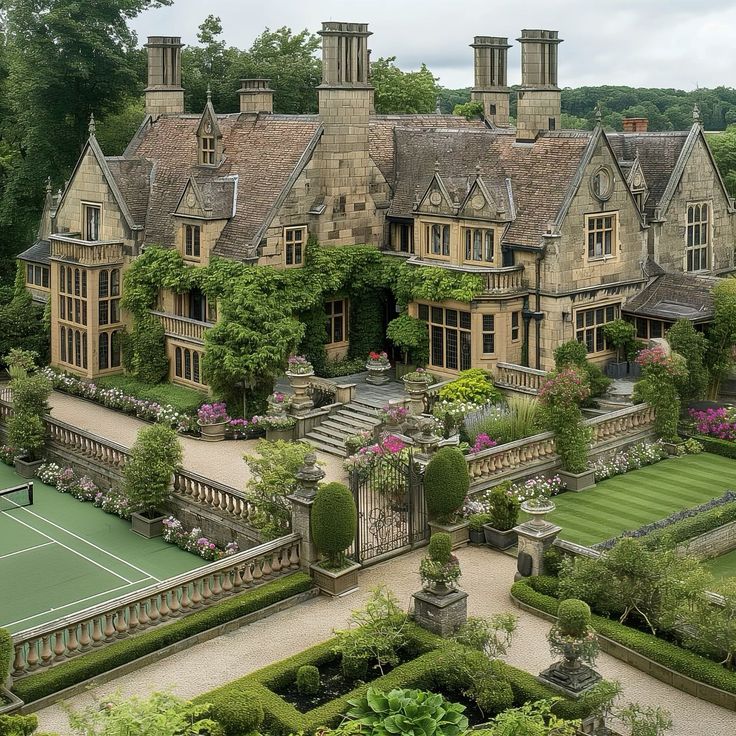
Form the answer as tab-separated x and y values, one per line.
504	510
440	548
474	385
446	483
410	335
6	655
237	711
493	696
17	725
148	343
573	617
334	519
307	680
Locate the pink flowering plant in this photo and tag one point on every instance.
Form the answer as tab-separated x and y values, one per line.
298	365
278	403
378	461
717	422
213	413
662	374
393	414
242	428
482	442
195	542
376	356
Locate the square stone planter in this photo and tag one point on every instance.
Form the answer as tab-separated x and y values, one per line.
459	533
336	582
9	703
148	528
280	434
477	536
441	614
577	481
671	447
498	539
26	468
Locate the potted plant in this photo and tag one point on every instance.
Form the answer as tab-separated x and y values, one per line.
378	366
299	372
416	384
410	335
446	484
440	569
504	514
27	427
393	415
476	522
213	421
154	459
620	334
278	427
279	404
333	520
8	702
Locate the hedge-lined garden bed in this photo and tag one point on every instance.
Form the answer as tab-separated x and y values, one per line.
538	593
92	664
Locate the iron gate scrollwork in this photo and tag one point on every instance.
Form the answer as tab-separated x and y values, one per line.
392	517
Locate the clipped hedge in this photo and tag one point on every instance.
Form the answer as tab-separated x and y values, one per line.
717	446
97	662
446	483
282	718
663	652
694	526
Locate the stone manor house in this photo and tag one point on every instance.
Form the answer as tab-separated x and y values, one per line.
569	229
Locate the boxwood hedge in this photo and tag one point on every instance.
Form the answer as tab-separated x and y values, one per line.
95	663
663	652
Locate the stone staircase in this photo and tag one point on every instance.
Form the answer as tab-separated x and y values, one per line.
350	419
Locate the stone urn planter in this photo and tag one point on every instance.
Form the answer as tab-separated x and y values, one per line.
577	481
9	703
499	539
280	434
538	508
378	367
147	526
299	383
459	532
336	582
416	385
25	467
213	432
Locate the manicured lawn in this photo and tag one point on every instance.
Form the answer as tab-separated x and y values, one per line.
641	496
723	566
183	399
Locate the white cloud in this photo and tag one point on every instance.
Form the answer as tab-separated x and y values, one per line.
640	43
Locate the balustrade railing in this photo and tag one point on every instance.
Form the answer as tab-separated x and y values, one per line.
176	326
519	378
86	252
621	422
504	280
48	644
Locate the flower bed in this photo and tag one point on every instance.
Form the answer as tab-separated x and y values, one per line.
7	454
193	541
389	447
719	423
632	458
537	487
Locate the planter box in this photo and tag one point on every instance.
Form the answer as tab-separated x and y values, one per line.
459	533
279	434
441	614
335	582
670	447
617	370
213	432
146	527
26	468
9	703
498	539
634	370
577	481
477	536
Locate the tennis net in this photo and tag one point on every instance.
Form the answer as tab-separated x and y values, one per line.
16	497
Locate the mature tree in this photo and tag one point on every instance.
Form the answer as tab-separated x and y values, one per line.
721	354
403	92
692	345
723	146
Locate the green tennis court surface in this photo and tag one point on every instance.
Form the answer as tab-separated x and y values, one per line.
60	555
639	497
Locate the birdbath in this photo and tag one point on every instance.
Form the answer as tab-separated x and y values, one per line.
538	508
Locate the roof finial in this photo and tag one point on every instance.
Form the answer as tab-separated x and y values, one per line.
92	127
48	185
209	93
477	169
436	166
598	114
696	114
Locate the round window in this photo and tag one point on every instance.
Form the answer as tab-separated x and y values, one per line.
601	183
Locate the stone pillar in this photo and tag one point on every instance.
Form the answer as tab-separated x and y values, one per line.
308	477
441	614
533	543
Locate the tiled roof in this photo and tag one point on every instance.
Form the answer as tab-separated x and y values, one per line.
540	173
262	151
381	134
658	154
39	252
673	296
133	179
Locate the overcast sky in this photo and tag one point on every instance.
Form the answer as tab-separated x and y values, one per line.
641	43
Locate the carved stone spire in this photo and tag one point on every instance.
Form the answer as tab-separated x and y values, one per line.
92	127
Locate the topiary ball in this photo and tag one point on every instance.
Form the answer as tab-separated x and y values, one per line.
333	520
573	617
237	711
446	483
307	680
440	547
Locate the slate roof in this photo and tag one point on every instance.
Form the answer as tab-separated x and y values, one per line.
540	173
674	296
133	179
39	252
658	154
263	151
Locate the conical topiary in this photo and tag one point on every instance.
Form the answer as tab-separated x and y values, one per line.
333	518
446	483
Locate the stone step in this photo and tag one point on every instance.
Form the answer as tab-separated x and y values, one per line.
337	433
328	449
359	421
326	437
342	427
357	407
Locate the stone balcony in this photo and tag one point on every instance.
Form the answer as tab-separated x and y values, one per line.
67	247
498	281
191	330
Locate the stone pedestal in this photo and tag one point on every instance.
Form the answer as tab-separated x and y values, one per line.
533	541
378	373
441	614
570	681
459	533
299	382
308	477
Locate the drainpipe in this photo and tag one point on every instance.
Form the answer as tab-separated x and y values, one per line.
538	314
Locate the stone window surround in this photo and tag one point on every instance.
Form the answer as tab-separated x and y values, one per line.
592	308
302	243
87	205
179	365
488	324
207	150
485	230
36	274
330	316
194	243
515	325
112	353
690	229
464	327
615	245
73	346
426	231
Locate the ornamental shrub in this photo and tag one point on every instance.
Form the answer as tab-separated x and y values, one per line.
239	713
307	680
410	335
573	617
574	353
620	334
446	483
440	547
662	374
18	725
155	457
27	432
474	385
6	655
692	345
148	344
334	519
504	511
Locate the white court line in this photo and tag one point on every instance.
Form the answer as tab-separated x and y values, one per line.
81	539
27	549
74	603
84	557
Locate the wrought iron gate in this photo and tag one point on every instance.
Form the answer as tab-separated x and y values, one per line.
392	516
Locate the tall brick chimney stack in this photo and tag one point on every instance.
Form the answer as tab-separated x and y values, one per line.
164	93
538	106
490	84
636	125
255	96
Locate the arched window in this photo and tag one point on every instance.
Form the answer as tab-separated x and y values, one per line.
115	282
103	351
62	343
69	346
84	284
115	349
187	365
195	367
62	278
77	281
77	348
84	350
69	280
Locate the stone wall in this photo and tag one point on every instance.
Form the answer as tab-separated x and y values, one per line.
713	543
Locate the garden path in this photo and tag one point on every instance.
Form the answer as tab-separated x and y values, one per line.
487	576
220	461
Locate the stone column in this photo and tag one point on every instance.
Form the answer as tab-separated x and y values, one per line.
533	543
308	478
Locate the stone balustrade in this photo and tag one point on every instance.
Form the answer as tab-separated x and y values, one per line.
176	326
519	378
48	644
96	449
86	253
506	280
621	422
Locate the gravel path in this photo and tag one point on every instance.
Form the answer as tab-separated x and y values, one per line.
220	461
487	577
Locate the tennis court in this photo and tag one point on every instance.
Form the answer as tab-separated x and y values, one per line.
60	555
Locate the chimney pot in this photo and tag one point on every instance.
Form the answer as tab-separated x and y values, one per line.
635	125
255	96
164	93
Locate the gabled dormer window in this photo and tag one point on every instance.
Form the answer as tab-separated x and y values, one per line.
209	137
207	150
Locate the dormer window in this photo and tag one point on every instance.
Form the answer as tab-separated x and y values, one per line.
192	241
92	217
207	149
209	137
